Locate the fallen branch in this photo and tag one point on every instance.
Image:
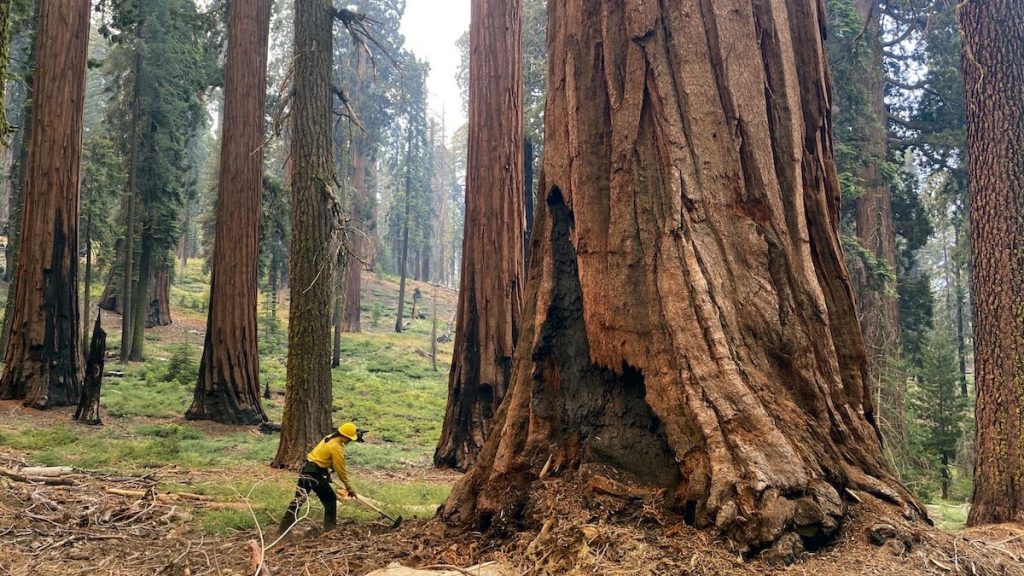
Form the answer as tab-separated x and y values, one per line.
48	471
60	481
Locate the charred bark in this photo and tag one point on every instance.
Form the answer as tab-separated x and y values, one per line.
88	410
43	355
993	62
689	319
491	283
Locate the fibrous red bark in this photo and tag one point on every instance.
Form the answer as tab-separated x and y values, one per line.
43	356
993	62
879	309
689	319
491	282
228	389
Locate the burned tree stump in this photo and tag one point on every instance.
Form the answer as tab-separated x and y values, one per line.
89	403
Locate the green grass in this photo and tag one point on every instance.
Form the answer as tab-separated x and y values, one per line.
948	515
383	385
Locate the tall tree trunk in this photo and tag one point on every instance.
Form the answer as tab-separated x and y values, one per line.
43	357
961	336
689	321
879	311
138	312
357	246
491	284
159	313
528	194
993	62
228	389
18	174
307	404
404	256
339	310
128	276
6	10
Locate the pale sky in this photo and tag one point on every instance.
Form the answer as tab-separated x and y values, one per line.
431	28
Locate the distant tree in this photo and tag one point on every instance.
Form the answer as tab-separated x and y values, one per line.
855	54
43	356
102	181
410	215
938	404
491	283
689	323
228	389
993	64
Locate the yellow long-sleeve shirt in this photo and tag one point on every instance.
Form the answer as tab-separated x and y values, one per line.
330	454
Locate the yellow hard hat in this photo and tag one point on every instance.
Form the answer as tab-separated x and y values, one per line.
348	430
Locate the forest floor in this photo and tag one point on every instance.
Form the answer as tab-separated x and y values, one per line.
152	493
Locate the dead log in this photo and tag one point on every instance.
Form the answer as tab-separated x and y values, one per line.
89	403
49	481
49	471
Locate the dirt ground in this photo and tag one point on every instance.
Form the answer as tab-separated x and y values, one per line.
120	525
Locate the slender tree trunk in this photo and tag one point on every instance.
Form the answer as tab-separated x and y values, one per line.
961	336
228	389
307	409
993	62
879	311
528	202
491	289
689	322
339	311
43	361
404	257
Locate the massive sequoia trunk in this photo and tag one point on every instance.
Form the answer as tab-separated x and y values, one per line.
993	62
228	389
43	356
689	321
307	403
491	284
358	239
879	310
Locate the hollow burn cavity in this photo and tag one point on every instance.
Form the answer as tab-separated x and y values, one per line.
604	411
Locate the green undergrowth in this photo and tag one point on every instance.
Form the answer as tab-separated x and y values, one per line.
386	383
948	515
269	497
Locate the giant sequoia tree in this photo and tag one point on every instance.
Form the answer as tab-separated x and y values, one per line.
491	284
993	63
228	389
689	320
879	308
43	357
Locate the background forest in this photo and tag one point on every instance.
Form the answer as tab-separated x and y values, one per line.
150	175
